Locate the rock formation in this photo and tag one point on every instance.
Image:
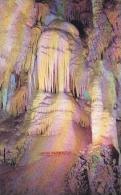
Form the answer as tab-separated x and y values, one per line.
60	66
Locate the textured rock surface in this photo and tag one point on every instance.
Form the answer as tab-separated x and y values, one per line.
24	71
70	10
96	172
91	172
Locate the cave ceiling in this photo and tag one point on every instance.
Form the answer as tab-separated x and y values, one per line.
73	11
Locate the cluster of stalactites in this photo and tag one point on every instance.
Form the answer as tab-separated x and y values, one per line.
69	10
99	39
79	11
59	64
53	62
17	18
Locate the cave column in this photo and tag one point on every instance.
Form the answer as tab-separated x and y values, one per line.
96	111
103	120
102	154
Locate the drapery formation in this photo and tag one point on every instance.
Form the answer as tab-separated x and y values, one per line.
60	71
53	62
18	42
60	59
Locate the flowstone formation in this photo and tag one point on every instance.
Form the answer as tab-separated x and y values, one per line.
60	86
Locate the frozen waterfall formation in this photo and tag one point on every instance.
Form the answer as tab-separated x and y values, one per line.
61	71
61	80
46	71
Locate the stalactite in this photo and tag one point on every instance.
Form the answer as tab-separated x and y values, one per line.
21	58
101	36
53	61
30	64
18	102
14	40
12	86
62	60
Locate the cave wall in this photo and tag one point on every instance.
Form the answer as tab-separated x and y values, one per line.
20	32
70	10
22	26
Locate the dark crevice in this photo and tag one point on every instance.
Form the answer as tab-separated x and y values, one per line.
78	24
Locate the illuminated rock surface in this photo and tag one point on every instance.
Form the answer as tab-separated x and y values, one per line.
60	97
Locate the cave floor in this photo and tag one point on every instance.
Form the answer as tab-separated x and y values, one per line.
41	171
45	176
45	163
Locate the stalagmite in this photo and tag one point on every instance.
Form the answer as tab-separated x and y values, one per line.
46	107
